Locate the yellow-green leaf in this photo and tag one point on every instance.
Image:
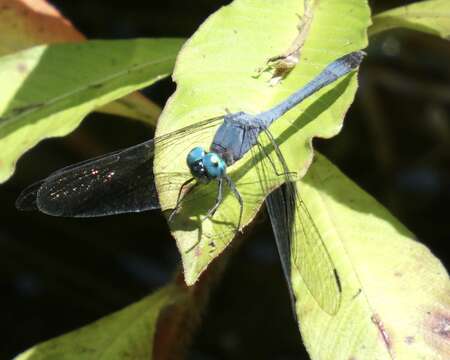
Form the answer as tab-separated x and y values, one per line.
24	24
219	69
432	17
134	106
47	90
395	293
126	334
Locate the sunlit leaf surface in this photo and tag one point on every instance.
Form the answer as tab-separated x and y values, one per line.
24	24
395	293
47	90
222	68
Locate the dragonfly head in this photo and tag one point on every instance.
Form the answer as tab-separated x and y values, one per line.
205	166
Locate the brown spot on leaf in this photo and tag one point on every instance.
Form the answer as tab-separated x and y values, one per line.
198	251
382	330
441	326
437	330
398	274
22	67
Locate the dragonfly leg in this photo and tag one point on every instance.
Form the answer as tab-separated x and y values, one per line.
279	155
261	147
238	196
180	197
219	199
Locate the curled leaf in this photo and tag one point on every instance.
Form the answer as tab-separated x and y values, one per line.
432	17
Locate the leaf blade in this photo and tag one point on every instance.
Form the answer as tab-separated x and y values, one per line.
40	99
393	288
431	17
25	24
125	334
218	73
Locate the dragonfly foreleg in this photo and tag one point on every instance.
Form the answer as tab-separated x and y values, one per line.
238	196
180	197
219	199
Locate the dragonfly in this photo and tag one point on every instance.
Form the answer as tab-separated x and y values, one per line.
124	181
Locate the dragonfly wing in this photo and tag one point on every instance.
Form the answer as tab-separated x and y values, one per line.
27	199
281	223
312	259
298	239
115	183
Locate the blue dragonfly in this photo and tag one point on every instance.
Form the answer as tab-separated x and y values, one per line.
124	181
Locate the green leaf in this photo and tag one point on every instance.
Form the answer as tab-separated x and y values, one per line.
432	17
217	70
126	334
26	24
134	106
395	302
47	90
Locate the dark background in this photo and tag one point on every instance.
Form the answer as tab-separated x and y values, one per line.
59	274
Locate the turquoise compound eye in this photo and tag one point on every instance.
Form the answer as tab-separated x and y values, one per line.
214	165
195	155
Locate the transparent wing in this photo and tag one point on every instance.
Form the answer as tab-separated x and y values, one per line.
118	182
298	239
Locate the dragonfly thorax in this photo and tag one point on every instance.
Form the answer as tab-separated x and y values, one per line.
205	166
